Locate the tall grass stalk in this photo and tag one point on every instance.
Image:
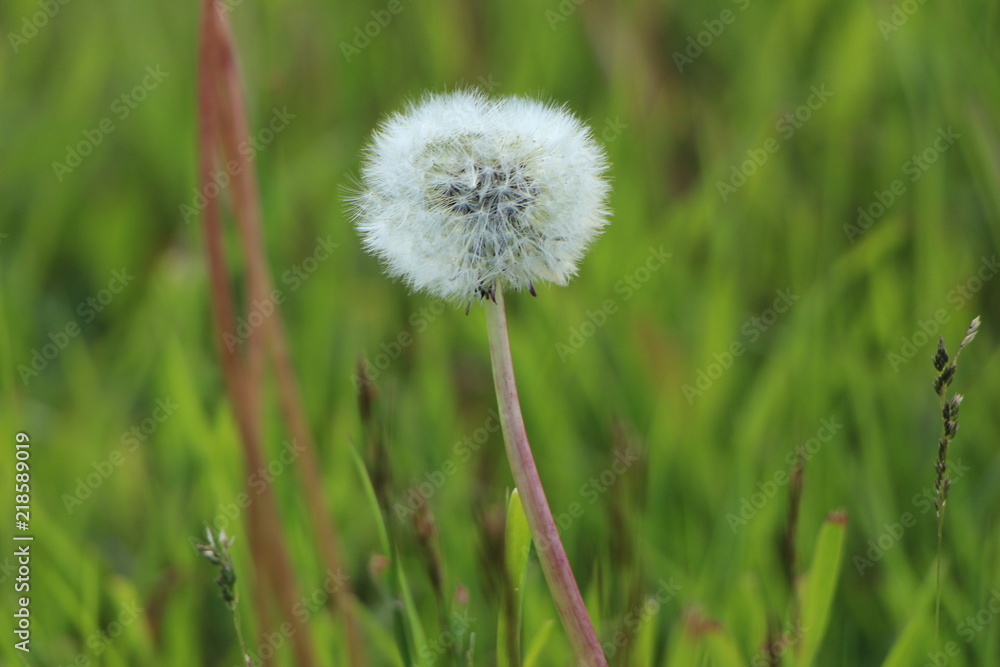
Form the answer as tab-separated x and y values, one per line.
949	417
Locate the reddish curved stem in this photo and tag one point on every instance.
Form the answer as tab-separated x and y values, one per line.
551	554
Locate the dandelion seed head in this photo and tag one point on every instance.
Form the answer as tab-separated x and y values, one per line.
460	190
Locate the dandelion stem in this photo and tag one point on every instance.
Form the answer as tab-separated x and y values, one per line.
555	565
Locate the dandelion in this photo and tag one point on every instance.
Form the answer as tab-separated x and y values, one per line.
462	195
461	190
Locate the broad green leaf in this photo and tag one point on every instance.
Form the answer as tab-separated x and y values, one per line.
819	585
517	544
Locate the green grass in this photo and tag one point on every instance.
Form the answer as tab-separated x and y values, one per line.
672	137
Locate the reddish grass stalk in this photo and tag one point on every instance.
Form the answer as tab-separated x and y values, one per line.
551	554
222	124
246	206
222	305
271	563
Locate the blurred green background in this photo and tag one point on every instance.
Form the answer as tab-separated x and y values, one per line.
745	136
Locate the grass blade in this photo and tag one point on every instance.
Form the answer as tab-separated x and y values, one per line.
538	642
366	483
911	646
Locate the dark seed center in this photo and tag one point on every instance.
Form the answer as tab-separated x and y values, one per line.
500	195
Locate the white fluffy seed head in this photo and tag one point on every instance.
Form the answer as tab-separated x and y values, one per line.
460	190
